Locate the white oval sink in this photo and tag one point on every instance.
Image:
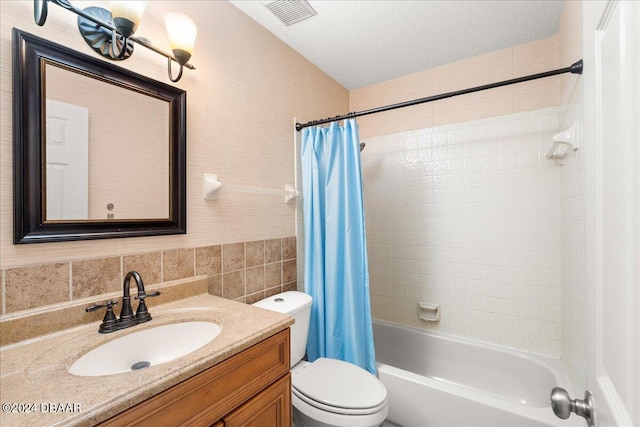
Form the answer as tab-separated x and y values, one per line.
148	347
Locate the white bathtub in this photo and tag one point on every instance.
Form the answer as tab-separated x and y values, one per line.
434	380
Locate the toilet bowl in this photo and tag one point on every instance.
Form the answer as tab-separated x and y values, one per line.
326	392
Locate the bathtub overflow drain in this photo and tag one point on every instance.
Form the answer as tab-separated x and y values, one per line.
140	365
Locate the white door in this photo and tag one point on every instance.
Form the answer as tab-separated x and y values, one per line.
612	208
67	157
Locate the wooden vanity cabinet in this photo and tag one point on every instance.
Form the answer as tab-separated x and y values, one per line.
270	408
250	389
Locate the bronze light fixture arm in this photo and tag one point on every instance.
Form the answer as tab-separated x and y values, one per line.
40	10
147	43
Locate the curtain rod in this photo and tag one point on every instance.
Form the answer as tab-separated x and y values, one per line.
575	68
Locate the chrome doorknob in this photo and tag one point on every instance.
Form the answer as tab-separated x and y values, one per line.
563	405
560	402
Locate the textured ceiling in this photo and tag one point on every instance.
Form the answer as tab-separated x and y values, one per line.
359	43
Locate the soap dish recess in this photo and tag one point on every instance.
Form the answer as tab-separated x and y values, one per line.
429	312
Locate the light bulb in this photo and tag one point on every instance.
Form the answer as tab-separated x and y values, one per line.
182	33
127	15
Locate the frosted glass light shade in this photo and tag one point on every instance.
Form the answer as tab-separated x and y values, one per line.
182	32
127	15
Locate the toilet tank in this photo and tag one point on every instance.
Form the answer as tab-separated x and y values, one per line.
298	306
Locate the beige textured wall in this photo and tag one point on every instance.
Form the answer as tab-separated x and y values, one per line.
242	99
517	61
570	44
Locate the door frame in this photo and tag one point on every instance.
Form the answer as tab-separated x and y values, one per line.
612	408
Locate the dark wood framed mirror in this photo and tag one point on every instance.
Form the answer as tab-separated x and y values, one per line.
99	151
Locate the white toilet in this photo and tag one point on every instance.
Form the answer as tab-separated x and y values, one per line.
327	392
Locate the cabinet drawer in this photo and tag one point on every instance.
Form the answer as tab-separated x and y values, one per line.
207	397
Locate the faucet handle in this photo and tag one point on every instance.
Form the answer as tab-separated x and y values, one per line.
108	305
142	295
142	313
109	322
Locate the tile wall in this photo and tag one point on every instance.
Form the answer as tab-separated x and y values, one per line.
468	216
573	235
244	271
573	213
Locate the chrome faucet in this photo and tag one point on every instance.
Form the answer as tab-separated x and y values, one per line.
127	318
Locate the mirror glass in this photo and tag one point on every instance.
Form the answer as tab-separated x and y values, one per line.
101	139
99	151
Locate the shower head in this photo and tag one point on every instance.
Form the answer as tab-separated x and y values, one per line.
362	145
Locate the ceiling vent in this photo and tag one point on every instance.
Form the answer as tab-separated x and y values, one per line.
291	11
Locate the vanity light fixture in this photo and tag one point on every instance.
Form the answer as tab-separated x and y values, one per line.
182	32
111	33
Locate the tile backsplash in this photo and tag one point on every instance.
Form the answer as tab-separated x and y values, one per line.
244	271
468	216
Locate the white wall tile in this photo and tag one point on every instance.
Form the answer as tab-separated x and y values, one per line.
468	216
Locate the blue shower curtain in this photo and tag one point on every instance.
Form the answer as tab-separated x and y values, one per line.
336	271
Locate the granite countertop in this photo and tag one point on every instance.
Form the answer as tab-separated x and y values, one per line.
34	376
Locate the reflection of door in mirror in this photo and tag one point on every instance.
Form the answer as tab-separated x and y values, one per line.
128	148
67	161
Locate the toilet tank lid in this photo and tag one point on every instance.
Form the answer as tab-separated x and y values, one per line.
290	302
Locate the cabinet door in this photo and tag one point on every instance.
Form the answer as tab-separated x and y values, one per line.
211	394
269	408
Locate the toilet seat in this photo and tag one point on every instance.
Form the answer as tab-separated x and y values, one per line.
336	409
339	387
